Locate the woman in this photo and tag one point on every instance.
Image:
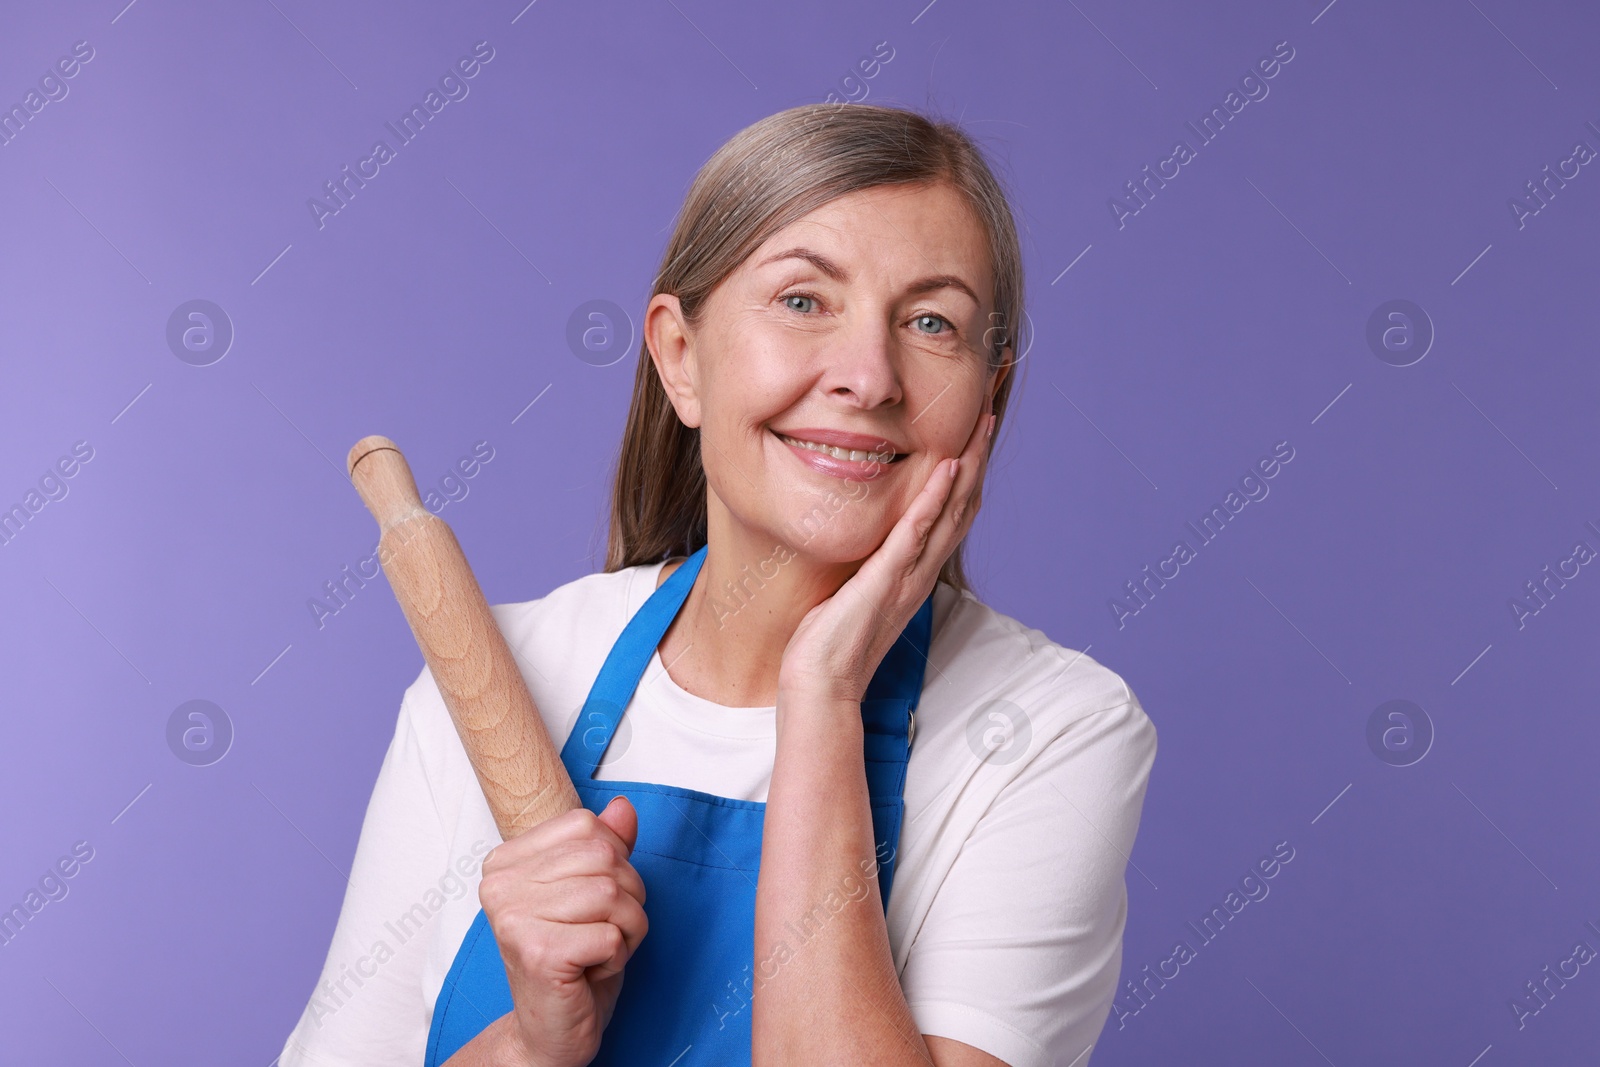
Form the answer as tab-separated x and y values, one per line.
781	670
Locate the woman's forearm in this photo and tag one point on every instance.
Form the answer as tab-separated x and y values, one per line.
826	990
497	1045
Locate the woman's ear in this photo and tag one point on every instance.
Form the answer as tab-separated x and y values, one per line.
671	345
1000	373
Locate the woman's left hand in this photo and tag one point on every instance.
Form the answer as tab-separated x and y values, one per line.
838	645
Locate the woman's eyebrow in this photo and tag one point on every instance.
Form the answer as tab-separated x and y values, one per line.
816	259
839	274
941	281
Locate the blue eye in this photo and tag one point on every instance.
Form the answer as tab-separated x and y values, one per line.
936	318
798	296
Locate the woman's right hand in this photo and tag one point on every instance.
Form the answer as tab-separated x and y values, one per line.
567	910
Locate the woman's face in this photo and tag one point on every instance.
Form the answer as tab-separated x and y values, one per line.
862	327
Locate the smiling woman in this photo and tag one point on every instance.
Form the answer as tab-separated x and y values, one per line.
837	181
824	362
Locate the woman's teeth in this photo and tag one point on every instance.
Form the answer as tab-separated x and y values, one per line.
886	456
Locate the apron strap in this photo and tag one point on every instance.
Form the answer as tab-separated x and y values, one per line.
625	664
886	717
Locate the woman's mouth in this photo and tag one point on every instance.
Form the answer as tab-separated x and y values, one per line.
859	464
886	455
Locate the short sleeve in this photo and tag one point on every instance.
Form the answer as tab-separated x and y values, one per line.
368	1006
1021	948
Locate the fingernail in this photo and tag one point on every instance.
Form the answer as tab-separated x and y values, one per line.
990	431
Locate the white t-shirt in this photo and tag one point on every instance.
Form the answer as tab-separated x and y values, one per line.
1008	906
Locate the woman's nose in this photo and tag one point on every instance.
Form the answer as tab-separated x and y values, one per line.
862	364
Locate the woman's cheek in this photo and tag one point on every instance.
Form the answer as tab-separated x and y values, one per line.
951	438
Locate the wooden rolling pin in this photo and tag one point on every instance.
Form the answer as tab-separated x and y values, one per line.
517	764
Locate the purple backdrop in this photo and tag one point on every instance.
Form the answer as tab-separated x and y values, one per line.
1378	260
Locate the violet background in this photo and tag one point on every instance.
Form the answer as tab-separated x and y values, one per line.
1226	316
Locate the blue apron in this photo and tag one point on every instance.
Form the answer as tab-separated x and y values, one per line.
685	997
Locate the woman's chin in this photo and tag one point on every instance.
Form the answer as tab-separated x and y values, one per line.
828	546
